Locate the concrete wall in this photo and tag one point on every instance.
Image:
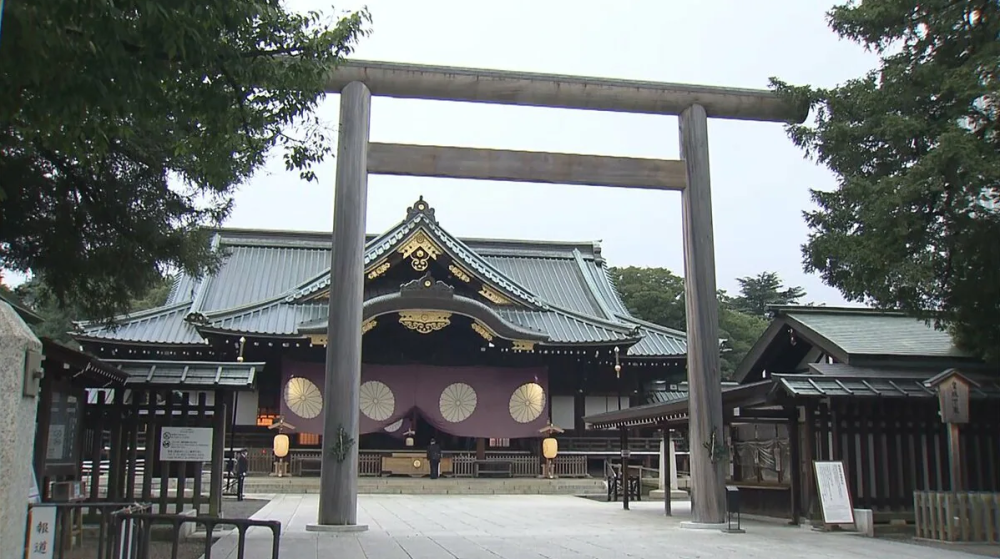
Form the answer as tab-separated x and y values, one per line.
17	430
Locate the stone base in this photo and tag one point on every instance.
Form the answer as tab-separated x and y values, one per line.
336	528
675	495
691	525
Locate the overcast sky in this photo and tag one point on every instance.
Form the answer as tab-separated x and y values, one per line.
760	181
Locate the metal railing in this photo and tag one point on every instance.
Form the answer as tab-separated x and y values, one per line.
135	533
72	523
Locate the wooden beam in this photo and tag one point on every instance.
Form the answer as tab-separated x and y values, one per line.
525	166
475	85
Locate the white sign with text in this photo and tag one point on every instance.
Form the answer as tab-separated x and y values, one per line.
834	495
42	533
186	444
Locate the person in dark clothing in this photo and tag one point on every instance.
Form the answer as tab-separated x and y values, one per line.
434	455
242	465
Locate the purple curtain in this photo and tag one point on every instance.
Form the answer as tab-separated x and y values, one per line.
489	402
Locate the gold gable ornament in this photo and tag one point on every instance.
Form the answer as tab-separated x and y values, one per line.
523	345
482	330
425	322
493	295
420	249
459	273
367	325
379	269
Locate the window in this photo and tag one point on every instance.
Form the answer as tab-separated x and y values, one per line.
308	439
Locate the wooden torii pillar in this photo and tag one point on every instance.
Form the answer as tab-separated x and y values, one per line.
357	81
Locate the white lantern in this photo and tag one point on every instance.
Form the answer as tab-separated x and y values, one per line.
281	445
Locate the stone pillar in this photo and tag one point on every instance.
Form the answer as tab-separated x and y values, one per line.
338	498
673	466
17	429
704	388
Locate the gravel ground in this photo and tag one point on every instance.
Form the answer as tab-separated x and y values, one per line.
186	549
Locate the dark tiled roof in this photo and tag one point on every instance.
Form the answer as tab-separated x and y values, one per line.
675	410
866	332
196	375
266	279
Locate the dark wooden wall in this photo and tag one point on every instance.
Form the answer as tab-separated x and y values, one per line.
892	447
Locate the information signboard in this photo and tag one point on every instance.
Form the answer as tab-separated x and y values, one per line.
186	444
834	495
42	533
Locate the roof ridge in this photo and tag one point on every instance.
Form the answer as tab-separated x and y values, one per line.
140	315
590	285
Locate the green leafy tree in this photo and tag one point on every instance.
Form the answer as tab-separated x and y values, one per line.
653	294
126	126
58	317
756	293
915	220
740	330
657	295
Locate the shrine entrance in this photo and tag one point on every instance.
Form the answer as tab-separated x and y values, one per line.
357	157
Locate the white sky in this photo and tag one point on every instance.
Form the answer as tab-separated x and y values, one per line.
760	181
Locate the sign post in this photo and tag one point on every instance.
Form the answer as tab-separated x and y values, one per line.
953	399
42	533
186	444
834	495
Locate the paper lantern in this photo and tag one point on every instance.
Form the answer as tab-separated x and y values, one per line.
550	447
409	441
281	445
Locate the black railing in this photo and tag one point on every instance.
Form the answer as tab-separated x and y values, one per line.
135	530
72	523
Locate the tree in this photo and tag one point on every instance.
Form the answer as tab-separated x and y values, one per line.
914	221
740	330
657	295
652	294
126	126
756	293
58	317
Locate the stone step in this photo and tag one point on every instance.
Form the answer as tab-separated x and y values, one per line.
424	486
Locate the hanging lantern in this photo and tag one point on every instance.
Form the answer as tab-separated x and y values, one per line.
281	445
550	448
409	441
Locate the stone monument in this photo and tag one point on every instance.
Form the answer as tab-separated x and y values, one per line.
20	350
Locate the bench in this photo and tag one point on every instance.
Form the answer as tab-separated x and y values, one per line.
492	468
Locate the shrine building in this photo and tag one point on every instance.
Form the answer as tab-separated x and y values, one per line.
480	343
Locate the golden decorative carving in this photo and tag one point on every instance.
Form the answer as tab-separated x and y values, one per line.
482	330
523	345
425	322
317	339
459	273
379	269
493	295
367	325
419	249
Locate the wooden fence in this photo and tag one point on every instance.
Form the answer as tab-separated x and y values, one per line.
304	462
957	517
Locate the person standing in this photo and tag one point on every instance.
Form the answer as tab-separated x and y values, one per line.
242	465
434	456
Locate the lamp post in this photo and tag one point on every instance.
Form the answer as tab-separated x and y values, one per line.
623	438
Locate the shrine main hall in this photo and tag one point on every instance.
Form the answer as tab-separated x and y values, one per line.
479	343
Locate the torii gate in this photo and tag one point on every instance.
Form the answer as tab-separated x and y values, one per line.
356	81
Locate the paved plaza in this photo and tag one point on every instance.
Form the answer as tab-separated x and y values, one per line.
543	527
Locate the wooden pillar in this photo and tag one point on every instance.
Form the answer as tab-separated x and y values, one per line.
704	389
218	452
666	471
480	448
625	461
795	465
338	497
806	468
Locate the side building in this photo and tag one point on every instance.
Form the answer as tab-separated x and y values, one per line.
480	343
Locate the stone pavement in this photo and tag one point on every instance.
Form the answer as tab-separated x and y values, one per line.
543	527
